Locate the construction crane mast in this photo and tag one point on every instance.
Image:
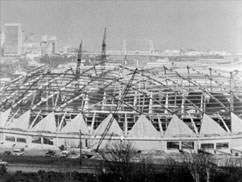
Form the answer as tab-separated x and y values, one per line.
103	59
77	76
120	101
103	56
79	59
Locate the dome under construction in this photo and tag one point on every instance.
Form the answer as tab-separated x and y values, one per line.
164	108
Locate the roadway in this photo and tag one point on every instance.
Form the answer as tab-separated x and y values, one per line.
57	164
12	168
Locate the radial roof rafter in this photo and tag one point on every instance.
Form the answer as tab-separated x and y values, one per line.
168	87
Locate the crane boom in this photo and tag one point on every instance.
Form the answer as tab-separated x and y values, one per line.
125	91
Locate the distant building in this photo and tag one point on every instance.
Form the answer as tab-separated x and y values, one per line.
1	43
48	45
193	53
30	46
67	50
12	39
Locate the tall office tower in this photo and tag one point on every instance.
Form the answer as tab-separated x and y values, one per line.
51	44
48	45
13	39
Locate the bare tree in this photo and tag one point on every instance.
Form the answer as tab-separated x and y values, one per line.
120	151
200	166
124	163
117	157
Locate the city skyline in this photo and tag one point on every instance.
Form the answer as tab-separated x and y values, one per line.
200	25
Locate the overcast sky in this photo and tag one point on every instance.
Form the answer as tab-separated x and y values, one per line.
203	24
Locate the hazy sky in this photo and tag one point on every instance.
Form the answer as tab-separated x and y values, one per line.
198	24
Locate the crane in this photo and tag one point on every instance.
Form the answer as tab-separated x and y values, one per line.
77	76
103	56
103	59
125	91
79	59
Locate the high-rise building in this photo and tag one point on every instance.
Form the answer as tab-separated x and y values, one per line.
52	44
48	45
0	44
13	39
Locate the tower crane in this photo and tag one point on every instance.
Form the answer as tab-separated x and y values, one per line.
123	95
103	59
79	59
103	56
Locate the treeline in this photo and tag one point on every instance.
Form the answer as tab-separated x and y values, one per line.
144	174
42	176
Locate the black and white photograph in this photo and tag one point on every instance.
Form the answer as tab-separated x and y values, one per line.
120	90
